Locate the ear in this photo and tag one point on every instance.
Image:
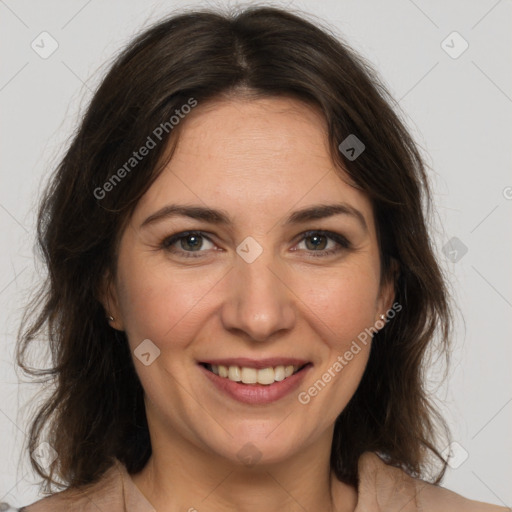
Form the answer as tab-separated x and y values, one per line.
387	290
108	296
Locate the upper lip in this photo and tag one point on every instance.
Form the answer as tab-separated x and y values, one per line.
257	363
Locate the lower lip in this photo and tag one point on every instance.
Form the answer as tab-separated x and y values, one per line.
257	393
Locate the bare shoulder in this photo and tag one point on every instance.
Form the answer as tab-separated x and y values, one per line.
384	487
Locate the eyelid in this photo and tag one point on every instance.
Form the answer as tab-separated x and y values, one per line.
169	241
337	237
342	242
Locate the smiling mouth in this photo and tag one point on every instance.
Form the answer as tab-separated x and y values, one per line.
248	375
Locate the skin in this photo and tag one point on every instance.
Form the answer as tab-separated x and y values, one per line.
259	161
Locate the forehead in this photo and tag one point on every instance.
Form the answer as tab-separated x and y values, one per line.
255	132
259	156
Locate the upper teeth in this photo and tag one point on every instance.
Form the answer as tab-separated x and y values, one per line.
252	375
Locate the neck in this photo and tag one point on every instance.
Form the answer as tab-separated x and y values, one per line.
181	476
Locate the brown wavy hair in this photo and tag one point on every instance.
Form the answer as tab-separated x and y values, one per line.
95	411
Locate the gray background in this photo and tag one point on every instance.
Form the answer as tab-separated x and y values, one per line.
458	109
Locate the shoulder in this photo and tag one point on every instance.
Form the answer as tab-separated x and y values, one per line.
105	494
383	487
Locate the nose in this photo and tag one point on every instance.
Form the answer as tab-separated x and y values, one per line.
259	303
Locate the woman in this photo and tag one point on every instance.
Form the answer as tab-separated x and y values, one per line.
242	289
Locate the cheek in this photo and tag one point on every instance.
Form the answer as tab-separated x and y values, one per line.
156	305
344	301
164	304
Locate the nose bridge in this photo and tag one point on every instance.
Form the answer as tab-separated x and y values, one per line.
259	302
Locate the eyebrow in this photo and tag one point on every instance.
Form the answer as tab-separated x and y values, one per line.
221	217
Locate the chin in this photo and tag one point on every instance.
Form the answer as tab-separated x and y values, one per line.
250	445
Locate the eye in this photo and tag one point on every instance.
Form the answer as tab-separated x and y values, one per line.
187	242
317	242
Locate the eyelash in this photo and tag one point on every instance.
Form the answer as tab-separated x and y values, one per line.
343	243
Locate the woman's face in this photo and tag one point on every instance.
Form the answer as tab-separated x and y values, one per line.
253	290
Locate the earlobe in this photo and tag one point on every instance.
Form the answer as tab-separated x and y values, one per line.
108	298
387	292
